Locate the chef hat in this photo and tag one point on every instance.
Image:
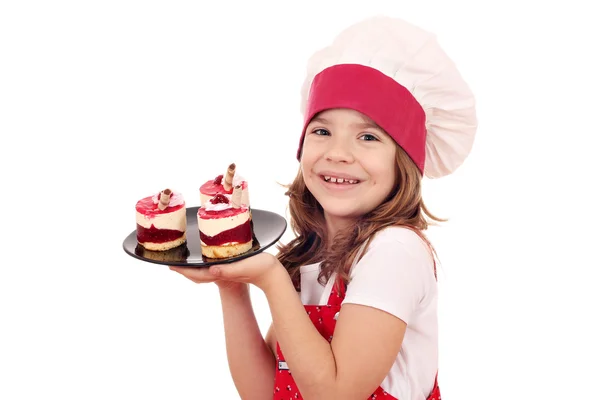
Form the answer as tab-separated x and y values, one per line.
399	76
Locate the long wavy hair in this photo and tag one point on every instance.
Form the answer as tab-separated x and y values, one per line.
403	206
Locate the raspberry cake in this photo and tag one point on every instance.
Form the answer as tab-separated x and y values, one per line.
224	225
223	184
161	221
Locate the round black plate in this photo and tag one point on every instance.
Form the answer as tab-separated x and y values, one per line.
268	228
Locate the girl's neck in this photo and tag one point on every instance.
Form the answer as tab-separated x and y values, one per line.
336	225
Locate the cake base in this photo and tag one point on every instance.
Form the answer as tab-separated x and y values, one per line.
163	246
225	251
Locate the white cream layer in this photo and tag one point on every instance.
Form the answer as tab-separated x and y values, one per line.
173	220
212	227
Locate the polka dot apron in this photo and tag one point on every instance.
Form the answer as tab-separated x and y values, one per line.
324	319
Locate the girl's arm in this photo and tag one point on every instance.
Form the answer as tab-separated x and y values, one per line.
251	361
364	346
353	365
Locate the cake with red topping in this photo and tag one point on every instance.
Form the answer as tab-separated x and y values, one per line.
224	184
161	221
224	225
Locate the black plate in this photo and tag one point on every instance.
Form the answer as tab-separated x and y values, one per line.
268	228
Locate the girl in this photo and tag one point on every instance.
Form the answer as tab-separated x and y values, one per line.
353	297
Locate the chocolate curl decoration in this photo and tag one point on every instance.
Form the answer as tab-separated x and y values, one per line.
164	198
228	178
236	197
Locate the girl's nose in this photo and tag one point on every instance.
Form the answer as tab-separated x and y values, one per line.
339	151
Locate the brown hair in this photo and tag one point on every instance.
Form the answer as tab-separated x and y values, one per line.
404	206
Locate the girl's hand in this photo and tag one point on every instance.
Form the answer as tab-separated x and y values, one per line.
202	275
260	270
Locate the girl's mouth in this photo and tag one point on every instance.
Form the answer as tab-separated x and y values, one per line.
339	181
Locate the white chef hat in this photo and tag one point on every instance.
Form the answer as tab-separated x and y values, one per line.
399	76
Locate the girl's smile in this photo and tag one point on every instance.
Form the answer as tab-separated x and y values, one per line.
338	181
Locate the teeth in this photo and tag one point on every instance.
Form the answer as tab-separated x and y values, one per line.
339	180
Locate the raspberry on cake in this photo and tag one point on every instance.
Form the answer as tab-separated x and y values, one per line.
161	221
224	225
223	184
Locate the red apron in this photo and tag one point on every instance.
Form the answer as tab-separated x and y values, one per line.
323	318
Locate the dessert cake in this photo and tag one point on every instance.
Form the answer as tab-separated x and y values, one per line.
224	225
161	221
223	184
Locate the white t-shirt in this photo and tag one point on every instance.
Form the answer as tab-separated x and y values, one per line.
395	275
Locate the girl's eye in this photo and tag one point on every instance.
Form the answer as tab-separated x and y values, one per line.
321	132
368	137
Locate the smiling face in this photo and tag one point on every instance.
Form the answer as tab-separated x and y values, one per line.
348	164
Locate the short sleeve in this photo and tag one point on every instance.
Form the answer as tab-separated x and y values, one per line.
394	275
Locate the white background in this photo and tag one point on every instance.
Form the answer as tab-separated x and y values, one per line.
103	103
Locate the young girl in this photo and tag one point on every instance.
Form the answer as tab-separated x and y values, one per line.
353	297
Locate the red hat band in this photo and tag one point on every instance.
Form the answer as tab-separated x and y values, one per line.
369	91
